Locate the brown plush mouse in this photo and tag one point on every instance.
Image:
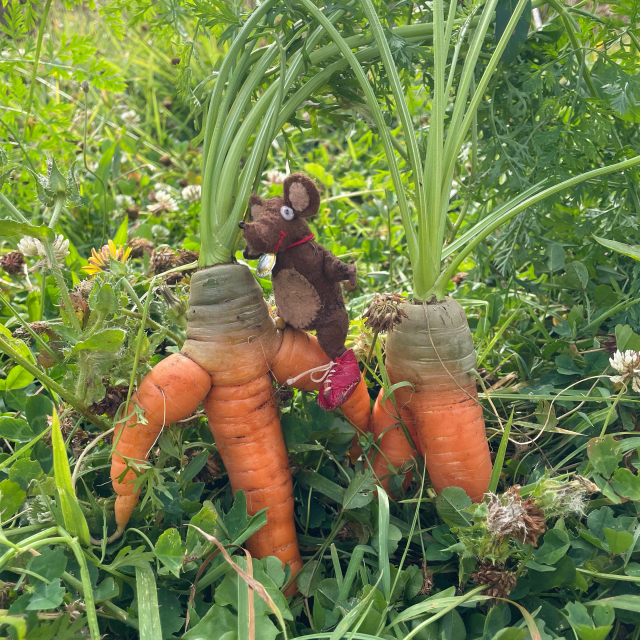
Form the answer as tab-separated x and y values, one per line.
306	278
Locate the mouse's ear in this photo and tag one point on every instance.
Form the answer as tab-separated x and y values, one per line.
256	207
302	195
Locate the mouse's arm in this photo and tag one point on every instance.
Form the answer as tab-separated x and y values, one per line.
337	270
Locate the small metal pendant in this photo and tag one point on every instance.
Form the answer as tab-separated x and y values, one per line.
266	263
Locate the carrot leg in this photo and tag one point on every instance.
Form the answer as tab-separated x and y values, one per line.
171	391
300	352
452	435
395	448
245	425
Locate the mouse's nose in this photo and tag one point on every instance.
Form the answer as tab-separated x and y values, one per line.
241	224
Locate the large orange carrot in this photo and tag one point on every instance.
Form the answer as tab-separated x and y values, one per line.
171	391
245	425
232	345
433	350
299	353
395	448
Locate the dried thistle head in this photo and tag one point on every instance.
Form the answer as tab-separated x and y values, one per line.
12	262
384	312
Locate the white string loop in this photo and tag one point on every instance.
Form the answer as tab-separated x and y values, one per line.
324	369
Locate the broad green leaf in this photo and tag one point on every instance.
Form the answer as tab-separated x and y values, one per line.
169	551
37	410
171	619
450	502
206	520
358	493
148	613
604	455
504	11
236	520
107	340
624	602
511	633
46	596
16	430
18	378
74	519
194	467
23	471
323	485
11	497
219	623
310	577
106	590
11	228
50	564
618	541
451	627
626	484
555	545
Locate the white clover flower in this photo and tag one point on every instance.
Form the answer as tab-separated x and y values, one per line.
131	117
276	177
33	247
161	186
627	365
164	202
30	246
192	193
124	201
5	53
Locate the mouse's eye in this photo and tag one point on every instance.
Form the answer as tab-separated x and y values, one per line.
287	213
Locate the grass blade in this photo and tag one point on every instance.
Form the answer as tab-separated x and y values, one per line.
148	612
499	461
383	542
74	519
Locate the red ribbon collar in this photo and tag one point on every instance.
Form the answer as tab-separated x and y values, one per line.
283	235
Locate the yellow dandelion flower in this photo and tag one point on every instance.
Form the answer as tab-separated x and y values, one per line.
101	260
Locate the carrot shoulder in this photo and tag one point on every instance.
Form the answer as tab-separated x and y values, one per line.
171	391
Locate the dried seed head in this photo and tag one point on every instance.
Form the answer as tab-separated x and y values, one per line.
140	246
384	312
500	582
132	211
113	398
13	262
37	327
162	259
